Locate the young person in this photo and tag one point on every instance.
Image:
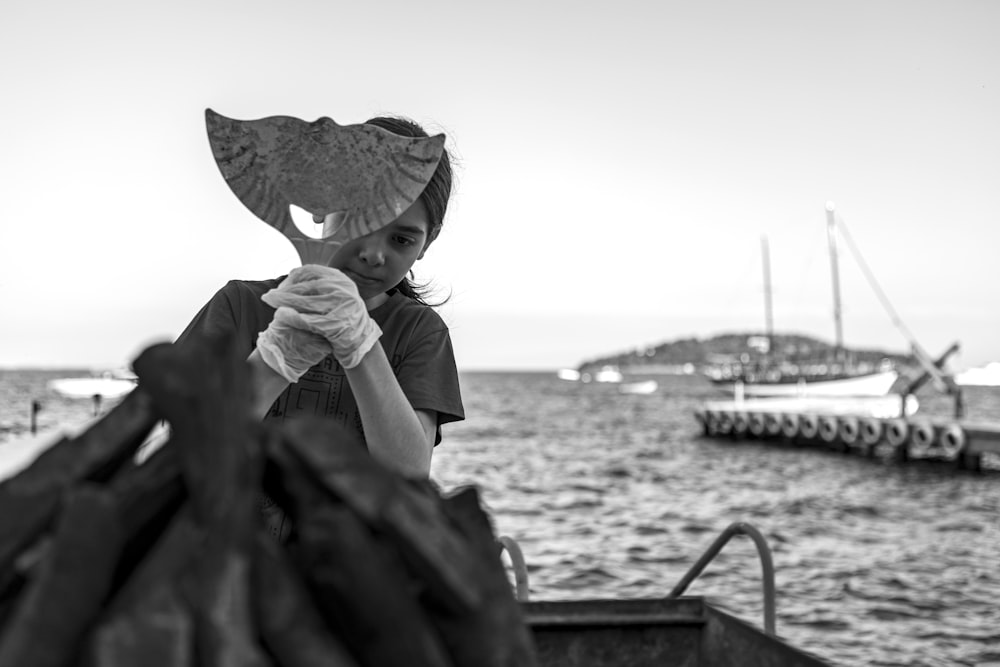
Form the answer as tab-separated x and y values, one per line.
354	341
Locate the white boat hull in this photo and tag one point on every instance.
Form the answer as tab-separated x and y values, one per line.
90	387
875	384
881	407
644	387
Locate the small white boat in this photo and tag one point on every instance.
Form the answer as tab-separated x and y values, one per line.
106	386
568	374
987	376
643	387
608	374
90	387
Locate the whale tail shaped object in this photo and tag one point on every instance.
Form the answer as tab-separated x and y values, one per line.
366	173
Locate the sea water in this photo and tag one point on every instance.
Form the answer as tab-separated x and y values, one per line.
616	495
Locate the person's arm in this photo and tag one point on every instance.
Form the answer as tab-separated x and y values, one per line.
266	384
397	436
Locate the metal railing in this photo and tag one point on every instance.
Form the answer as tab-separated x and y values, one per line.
520	568
509	545
766	563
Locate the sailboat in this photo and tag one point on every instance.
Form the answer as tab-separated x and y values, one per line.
833	376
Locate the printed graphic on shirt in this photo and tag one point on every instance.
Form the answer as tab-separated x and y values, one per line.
322	391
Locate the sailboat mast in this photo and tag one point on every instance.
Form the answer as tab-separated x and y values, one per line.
831	237
768	316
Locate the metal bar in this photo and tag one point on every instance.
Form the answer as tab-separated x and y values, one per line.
766	566
831	237
768	313
35	409
520	567
942	380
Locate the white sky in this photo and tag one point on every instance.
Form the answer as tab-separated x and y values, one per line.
618	165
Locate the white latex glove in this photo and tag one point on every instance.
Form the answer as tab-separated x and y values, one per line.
288	348
324	301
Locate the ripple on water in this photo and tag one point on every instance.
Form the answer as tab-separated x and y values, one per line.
585	578
645	530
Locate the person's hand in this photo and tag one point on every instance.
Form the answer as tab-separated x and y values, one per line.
288	348
324	301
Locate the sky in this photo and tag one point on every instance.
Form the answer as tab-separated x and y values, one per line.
617	166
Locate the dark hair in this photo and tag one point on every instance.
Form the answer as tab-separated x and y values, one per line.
435	196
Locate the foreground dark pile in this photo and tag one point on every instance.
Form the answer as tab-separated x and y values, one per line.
106	562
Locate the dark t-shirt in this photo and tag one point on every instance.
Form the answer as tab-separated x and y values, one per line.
415	339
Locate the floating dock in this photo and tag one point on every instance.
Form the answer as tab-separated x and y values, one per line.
864	427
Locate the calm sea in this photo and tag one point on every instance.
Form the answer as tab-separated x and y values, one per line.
614	495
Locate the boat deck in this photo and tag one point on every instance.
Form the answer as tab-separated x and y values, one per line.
683	631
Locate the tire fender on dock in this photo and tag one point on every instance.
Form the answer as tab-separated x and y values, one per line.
724	422
828	428
897	431
772	424
740	423
871	431
808	426
849	429
921	438
756	424
952	440
789	425
712	422
701	416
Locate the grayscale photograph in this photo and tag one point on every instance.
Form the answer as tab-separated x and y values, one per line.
513	334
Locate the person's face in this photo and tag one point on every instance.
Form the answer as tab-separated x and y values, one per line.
377	262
